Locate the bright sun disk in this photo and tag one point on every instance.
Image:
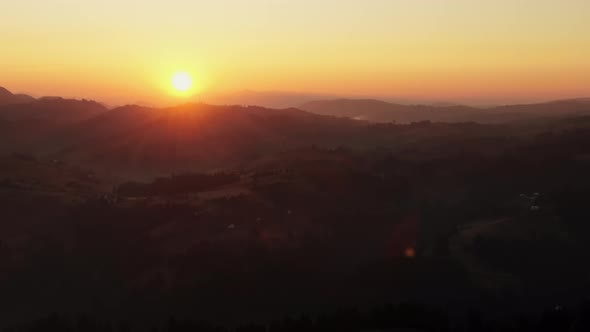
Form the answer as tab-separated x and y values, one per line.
182	81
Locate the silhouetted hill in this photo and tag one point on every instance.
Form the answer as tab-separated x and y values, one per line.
144	141
569	107
8	98
138	141
380	111
51	110
193	136
26	123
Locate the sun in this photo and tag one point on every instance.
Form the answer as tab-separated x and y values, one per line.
182	81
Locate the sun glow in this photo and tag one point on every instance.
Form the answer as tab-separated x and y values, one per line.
182	82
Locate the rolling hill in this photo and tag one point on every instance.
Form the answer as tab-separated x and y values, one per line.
25	121
192	136
8	98
380	111
139	142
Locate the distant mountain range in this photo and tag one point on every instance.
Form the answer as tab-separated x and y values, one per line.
287	99
400	111
270	99
143	141
380	111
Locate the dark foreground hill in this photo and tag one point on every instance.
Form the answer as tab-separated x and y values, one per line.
467	221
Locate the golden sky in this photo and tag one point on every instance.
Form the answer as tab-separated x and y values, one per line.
126	51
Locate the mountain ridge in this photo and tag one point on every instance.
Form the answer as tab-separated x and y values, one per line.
375	110
9	98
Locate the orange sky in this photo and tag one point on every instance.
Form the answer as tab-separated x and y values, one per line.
125	51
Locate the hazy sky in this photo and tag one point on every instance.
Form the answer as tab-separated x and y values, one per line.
462	50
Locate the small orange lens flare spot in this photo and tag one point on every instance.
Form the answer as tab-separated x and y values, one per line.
410	252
